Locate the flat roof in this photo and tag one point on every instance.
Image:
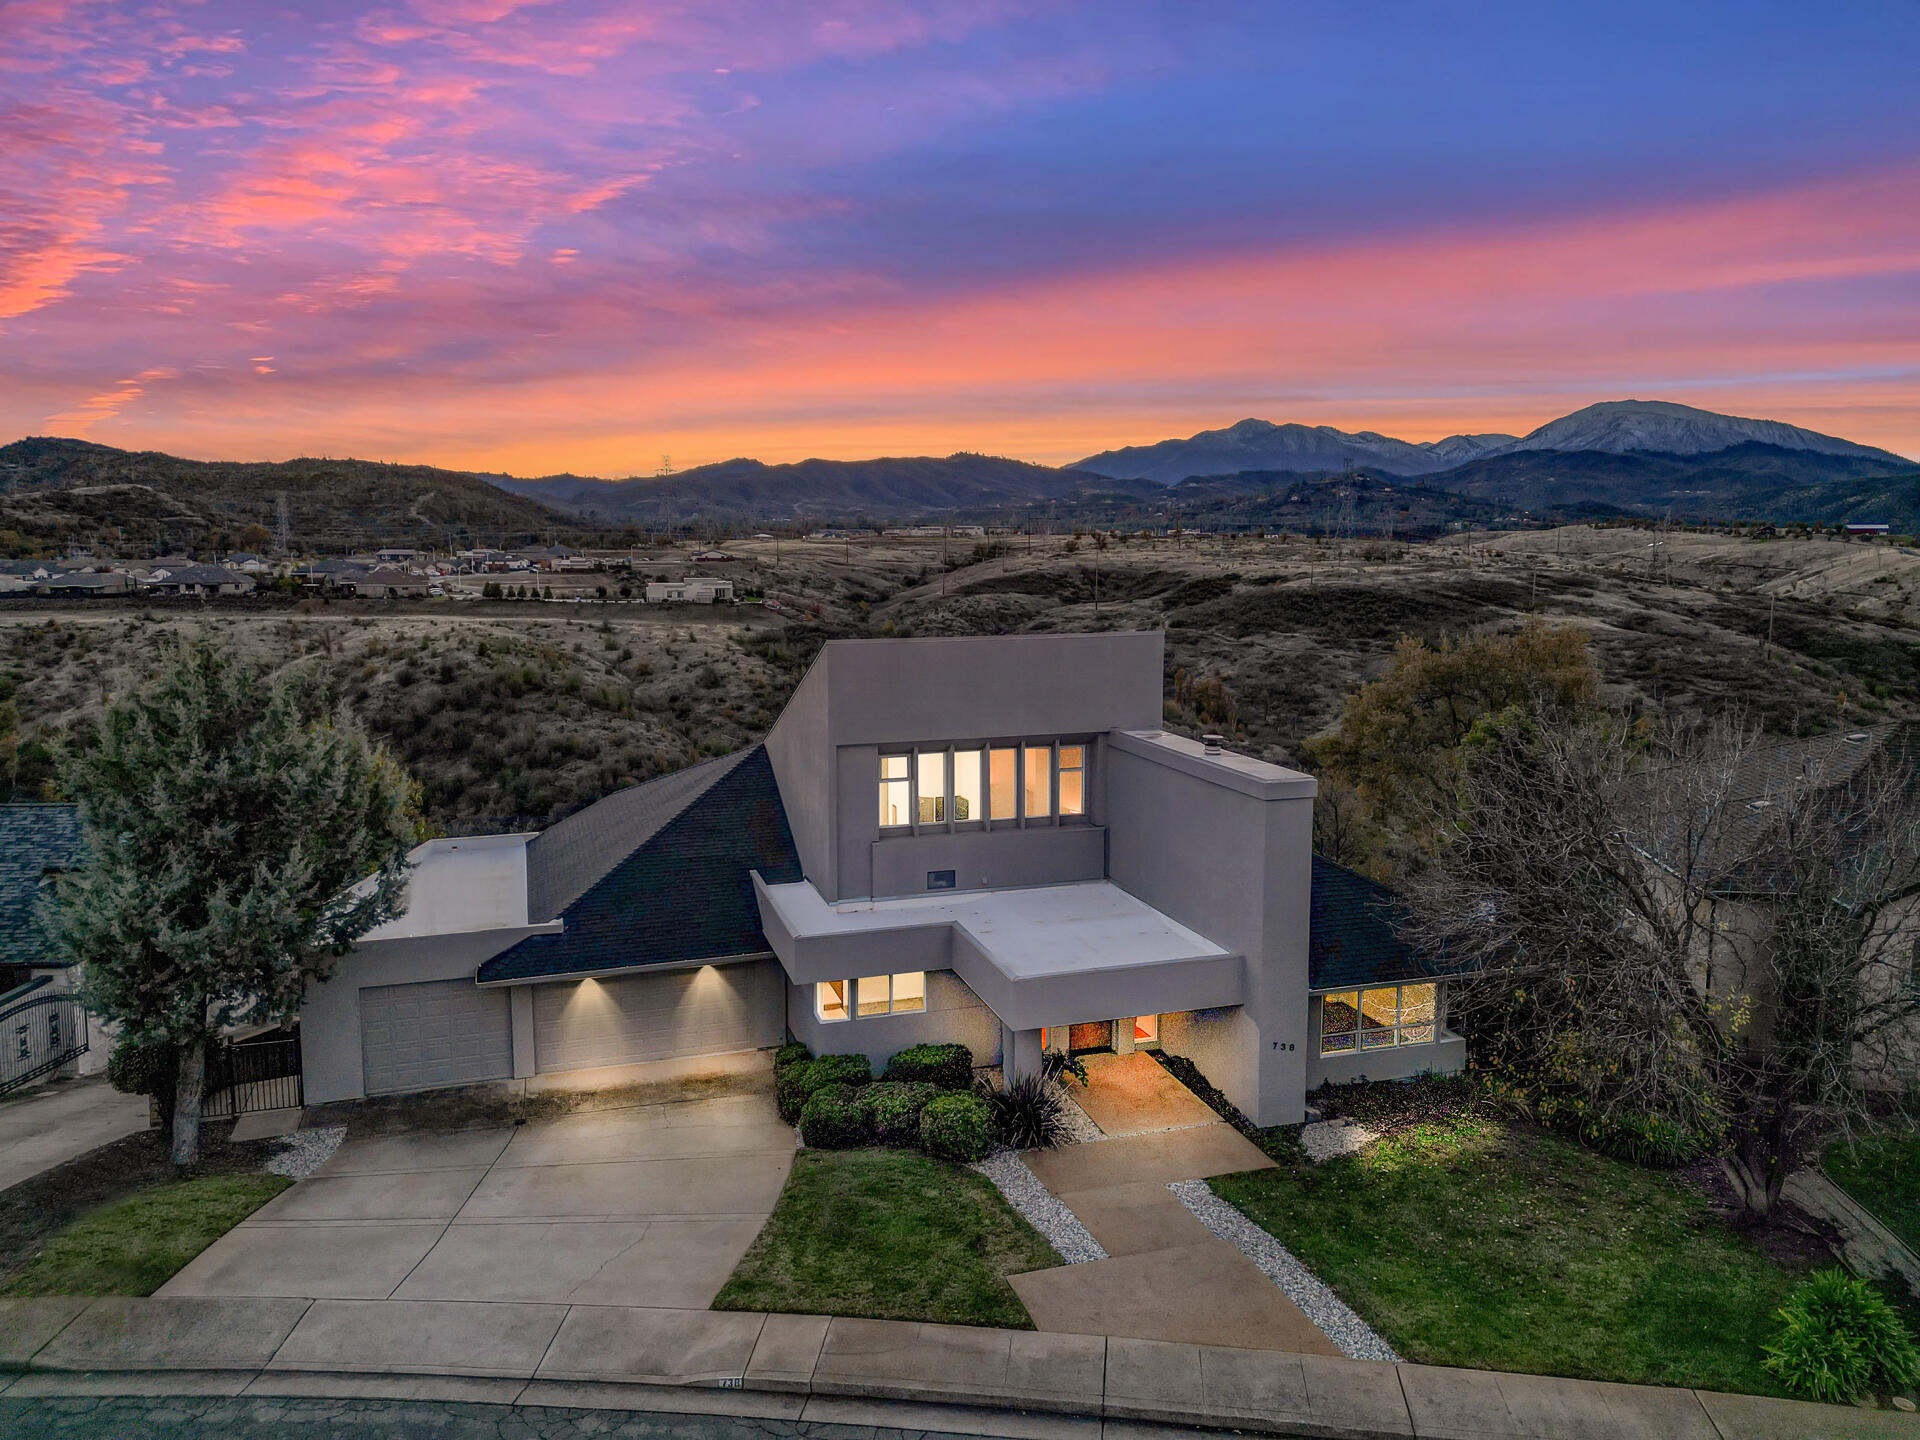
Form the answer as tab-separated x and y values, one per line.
1030	933
470	882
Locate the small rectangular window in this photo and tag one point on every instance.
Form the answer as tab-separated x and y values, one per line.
1146	1029
1073	780
1378	1014
909	992
895	791
1339	1023
940	879
969	795
933	787
891	994
1038	788
830	1000
1004	768
1417	1013
873	994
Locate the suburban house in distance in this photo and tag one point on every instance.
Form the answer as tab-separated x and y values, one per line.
982	839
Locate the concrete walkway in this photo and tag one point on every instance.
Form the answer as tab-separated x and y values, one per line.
590	1355
61	1121
1870	1247
652	1205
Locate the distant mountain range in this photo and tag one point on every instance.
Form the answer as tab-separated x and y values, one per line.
1614	427
1624	457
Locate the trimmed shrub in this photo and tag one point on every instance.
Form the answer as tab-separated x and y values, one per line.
794	1086
957	1126
1840	1340
1028	1114
948	1066
145	1067
896	1110
791	1054
837	1117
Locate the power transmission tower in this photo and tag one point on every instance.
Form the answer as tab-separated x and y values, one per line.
666	467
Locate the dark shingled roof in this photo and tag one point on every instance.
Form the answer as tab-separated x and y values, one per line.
658	874
1353	941
34	840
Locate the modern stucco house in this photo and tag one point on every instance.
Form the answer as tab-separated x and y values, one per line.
983	839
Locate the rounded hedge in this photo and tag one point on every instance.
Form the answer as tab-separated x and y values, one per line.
790	1054
948	1066
896	1109
837	1117
795	1085
957	1127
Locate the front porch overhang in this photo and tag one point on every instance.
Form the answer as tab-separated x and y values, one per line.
1044	955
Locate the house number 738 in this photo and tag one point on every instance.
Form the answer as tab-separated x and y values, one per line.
1283	1045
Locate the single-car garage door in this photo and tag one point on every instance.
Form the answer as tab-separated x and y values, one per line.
632	1018
441	1032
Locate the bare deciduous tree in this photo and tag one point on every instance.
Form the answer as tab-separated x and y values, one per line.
1687	922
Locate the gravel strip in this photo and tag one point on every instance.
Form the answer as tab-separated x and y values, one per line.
1354	1336
1080	1126
305	1151
1039	1207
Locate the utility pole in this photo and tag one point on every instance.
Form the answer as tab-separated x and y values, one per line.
1772	600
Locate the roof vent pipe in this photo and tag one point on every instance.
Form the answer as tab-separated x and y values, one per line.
1212	742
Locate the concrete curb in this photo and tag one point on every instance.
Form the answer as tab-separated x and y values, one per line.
814	1367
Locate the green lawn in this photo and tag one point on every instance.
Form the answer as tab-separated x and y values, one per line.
889	1235
1883	1174
1467	1241
134	1245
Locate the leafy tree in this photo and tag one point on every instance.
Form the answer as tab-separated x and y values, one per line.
238	843
1398	741
1722	938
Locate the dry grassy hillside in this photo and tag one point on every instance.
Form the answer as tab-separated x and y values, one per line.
515	714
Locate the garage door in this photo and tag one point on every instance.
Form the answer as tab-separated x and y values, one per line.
632	1018
442	1032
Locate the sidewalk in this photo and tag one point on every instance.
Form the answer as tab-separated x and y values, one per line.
699	1361
60	1121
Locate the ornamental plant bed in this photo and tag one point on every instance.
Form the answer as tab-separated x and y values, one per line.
889	1235
1472	1241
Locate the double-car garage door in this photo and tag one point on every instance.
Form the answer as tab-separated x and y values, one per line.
452	1032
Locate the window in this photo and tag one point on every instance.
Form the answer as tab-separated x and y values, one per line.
1379	1019
1073	782
891	994
1146	1029
895	802
1004	768
968	796
1038	790
933	787
830	1000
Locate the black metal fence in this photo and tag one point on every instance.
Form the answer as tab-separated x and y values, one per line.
38	1035
259	1074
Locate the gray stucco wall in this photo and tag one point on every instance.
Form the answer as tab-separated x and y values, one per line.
953	1013
801	753
1237	867
988	859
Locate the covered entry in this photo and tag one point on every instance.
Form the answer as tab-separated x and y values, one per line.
627	1019
437	1032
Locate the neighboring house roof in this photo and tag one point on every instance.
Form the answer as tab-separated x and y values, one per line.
35	840
658	874
204	575
1354	941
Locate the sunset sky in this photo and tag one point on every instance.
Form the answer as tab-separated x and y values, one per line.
544	235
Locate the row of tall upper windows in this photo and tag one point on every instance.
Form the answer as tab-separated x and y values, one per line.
973	784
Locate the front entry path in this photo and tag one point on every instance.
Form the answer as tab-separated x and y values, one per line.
1168	1277
650	1206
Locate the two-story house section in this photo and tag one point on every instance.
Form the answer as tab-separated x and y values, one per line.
983	839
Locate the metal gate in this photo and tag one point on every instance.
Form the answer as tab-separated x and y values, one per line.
250	1075
40	1034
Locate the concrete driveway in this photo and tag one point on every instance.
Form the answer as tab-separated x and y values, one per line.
649	1206
61	1121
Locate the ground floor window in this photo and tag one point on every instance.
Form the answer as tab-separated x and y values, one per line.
1146	1029
830	1000
891	994
1378	1019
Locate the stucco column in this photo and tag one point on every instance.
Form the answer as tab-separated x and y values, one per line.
1019	1053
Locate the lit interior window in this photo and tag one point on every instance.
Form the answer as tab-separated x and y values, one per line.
909	991
933	787
1146	1029
890	994
1416	1013
830	999
1339	1023
968	796
1039	782
1004	769
1073	779
895	788
872	995
1377	1015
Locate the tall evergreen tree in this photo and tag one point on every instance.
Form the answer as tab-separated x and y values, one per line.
239	842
